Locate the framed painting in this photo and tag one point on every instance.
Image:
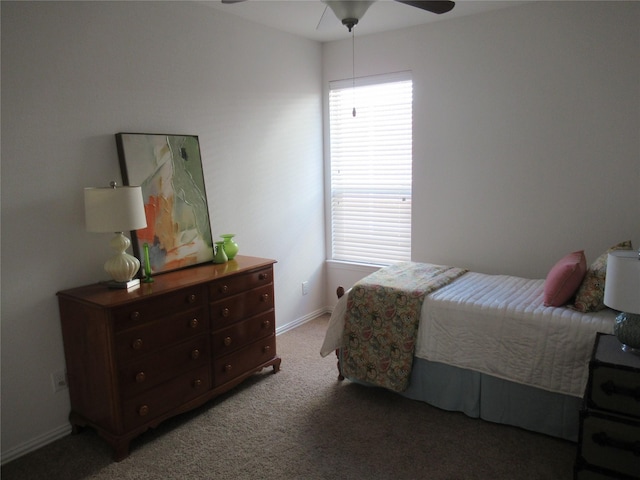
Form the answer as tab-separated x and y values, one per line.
169	170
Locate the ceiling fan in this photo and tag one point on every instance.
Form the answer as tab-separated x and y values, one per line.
351	11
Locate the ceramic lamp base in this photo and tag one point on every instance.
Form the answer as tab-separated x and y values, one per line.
122	267
627	329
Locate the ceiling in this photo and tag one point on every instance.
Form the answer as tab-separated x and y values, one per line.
309	19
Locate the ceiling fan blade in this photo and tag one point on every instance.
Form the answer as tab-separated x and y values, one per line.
232	1
434	6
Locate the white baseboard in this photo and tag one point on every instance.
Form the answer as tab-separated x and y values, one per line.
64	430
302	320
36	443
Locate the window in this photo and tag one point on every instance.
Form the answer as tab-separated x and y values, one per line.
370	173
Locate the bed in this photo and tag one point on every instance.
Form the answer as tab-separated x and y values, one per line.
485	345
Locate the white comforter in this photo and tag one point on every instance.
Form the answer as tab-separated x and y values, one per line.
498	325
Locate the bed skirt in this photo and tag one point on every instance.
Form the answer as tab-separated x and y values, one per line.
493	399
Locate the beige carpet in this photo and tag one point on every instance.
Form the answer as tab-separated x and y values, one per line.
303	424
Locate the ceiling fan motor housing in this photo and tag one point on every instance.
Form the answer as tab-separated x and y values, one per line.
350	22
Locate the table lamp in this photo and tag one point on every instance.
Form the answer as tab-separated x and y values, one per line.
116	209
622	293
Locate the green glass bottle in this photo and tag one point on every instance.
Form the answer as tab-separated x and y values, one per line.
220	256
147	265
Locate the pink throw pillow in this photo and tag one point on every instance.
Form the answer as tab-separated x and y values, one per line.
564	278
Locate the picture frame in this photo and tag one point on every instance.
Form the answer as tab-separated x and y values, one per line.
168	167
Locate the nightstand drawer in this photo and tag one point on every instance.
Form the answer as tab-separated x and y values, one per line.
233	285
610	442
239	307
166	397
134	343
162	366
229	367
614	378
589	472
242	333
615	390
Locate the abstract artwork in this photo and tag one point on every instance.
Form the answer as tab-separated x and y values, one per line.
169	170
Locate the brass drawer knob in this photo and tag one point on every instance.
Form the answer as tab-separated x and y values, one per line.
197	383
227	367
194	323
266	349
266	324
135	316
195	354
227	341
140	377
263	276
264	297
192	298
137	344
225	312
143	410
224	289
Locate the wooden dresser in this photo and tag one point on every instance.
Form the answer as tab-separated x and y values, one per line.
609	442
137	357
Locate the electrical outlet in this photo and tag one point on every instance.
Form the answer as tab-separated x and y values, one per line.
59	380
305	288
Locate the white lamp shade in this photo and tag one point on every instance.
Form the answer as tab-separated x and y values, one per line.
111	209
622	284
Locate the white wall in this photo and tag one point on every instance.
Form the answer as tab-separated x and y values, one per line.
75	73
527	121
526	132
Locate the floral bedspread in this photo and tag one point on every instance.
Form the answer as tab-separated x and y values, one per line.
381	322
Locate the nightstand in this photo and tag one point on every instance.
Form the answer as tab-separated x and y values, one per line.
609	441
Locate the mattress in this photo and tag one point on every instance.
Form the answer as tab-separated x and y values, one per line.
498	325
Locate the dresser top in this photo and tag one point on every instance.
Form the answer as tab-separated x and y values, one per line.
100	294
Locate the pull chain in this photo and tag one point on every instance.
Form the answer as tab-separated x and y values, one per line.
353	69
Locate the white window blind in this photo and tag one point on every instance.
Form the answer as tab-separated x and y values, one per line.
370	174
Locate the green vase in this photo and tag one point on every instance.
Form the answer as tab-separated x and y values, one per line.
230	246
220	256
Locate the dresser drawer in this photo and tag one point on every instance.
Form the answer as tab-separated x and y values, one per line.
165	397
610	442
148	310
230	286
162	366
238	307
231	366
132	344
242	333
614	389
